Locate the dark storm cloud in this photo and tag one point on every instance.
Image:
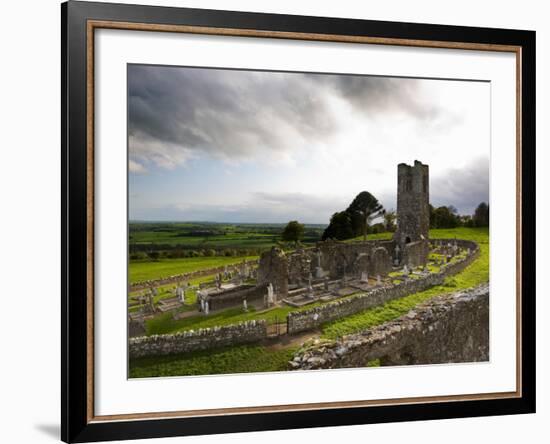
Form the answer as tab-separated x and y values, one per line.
176	113
464	188
368	94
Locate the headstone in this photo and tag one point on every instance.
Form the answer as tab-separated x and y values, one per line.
270	295
206	308
180	292
364	277
405	270
245	305
397	257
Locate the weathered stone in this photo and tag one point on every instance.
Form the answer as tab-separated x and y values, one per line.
447	329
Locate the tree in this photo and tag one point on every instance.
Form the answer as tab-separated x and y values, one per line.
293	231
340	227
363	210
481	215
354	221
444	217
389	221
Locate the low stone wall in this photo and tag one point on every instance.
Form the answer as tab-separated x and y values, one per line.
187	276
447	329
203	339
315	317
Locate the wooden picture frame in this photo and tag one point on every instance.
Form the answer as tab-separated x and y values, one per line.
79	22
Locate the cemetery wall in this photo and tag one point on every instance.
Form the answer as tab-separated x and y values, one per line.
315	317
203	339
448	328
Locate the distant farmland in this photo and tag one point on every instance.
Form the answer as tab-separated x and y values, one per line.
201	237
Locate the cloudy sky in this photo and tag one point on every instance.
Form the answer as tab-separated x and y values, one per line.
253	146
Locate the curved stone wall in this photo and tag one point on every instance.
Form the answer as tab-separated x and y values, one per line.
450	328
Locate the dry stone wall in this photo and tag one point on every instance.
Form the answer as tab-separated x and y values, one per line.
449	328
203	339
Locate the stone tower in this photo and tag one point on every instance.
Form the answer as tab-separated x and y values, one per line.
413	196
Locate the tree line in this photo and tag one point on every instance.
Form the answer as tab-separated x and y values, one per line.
357	220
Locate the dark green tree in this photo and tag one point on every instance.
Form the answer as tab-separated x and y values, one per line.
444	217
481	215
293	231
355	220
363	210
339	227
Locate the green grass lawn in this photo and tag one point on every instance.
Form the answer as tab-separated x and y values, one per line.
476	273
239	359
150	270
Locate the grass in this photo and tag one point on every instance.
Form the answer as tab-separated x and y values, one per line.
163	268
240	359
165	324
476	273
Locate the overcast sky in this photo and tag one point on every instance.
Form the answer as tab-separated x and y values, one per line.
253	146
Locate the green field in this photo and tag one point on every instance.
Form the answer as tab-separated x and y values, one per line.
162	268
240	359
198	235
257	358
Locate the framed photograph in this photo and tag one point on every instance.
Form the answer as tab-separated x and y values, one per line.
275	221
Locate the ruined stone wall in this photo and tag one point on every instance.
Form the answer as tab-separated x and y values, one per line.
273	268
353	258
203	339
315	317
235	297
416	253
381	262
447	329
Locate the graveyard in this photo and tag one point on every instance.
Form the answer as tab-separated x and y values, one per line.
254	313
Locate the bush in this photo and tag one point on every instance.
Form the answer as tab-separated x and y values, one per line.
138	256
